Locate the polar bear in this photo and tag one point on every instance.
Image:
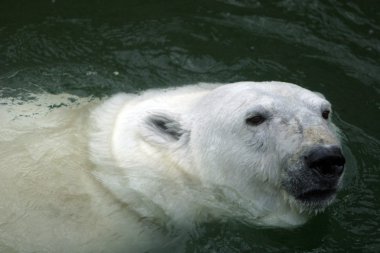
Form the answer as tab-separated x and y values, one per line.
95	176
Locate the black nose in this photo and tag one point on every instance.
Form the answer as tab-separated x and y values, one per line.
327	161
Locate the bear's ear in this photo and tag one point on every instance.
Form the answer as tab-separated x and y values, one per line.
162	128
319	94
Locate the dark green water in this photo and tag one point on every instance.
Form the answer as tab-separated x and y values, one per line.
102	47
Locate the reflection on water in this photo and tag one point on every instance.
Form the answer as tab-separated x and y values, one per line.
87	48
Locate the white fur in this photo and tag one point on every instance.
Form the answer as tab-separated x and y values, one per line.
214	165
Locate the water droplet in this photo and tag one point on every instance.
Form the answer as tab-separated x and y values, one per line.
91	73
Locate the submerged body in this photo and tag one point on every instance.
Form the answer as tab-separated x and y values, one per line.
98	176
50	202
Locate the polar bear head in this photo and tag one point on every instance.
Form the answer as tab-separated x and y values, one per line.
268	149
272	143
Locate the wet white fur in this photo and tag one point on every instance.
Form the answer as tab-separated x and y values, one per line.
82	177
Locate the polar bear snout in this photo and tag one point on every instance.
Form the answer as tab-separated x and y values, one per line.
316	184
327	162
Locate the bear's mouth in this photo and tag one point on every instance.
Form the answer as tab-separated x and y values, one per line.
317	195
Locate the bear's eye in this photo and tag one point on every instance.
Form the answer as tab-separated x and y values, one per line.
326	114
255	120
